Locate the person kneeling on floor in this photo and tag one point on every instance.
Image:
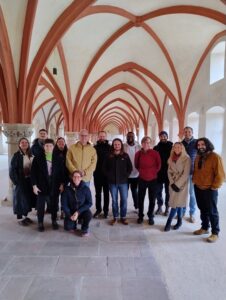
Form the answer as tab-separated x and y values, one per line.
76	203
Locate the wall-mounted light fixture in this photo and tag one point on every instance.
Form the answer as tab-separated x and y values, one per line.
54	71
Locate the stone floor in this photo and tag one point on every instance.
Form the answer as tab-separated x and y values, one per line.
120	262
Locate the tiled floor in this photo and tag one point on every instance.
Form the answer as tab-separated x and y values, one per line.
121	262
113	263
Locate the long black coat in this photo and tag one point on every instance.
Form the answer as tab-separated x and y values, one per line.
164	150
103	150
23	197
39	174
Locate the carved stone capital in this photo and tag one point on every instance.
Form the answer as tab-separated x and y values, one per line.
14	132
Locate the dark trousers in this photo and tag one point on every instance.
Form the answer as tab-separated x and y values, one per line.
159	191
85	218
100	184
207	203
51	202
133	185
152	187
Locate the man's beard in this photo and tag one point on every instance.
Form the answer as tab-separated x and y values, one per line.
201	151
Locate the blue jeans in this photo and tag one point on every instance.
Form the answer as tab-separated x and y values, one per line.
207	203
192	199
174	211
123	191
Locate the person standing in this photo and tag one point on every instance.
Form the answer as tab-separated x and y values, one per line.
178	173
148	163
131	147
59	156
164	148
45	173
100	181
117	168
208	176
76	202
19	173
189	143
82	157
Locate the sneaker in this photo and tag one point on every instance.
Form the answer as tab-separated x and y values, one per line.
139	221
105	215
200	231
96	215
124	221
113	221
85	234
159	210
55	225
192	219
151	222
212	238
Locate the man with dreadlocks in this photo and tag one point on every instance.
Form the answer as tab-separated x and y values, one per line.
208	176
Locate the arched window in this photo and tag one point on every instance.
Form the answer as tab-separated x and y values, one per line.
175	137
217	61
215	127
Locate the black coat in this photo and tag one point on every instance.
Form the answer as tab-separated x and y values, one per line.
76	199
23	197
37	148
117	168
103	150
164	150
39	175
60	157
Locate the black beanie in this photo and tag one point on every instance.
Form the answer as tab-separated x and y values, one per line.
163	132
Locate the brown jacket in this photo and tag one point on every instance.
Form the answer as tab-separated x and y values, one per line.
211	175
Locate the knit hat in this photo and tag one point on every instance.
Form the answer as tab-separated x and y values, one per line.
163	132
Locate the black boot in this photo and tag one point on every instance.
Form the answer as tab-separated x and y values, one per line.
55	225
168	225
166	211
178	224
41	227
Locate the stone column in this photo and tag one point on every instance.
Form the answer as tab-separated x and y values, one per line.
71	137
1	141
94	137
14	132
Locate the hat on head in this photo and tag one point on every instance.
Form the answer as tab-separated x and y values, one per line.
163	132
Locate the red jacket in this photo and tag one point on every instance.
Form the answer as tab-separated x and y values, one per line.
148	164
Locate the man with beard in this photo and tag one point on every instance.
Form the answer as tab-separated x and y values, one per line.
100	181
131	147
208	176
189	143
163	148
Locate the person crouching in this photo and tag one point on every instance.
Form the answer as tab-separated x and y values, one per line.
76	203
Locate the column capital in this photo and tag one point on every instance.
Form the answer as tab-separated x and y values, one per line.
14	132
71	137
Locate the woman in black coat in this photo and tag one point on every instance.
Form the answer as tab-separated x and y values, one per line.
19	173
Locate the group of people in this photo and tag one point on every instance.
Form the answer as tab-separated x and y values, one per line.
42	173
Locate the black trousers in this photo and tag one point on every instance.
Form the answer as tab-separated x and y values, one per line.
100	183
85	218
133	185
152	188
207	203
52	203
159	193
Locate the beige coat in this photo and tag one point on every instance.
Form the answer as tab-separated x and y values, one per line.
178	174
82	158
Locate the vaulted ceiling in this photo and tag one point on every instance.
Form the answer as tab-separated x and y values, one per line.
117	61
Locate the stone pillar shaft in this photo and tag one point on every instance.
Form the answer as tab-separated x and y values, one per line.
14	132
